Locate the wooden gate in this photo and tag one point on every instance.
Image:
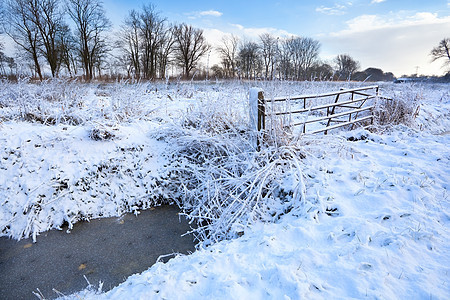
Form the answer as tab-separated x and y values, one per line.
347	107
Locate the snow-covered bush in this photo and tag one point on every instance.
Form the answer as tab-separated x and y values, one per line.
402	108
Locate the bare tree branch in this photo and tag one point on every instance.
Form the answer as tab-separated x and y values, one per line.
23	31
442	51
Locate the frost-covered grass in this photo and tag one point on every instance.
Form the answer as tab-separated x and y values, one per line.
349	215
222	183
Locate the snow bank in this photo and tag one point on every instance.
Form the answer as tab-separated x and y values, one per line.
55	175
374	224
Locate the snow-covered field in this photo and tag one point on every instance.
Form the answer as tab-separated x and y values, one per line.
349	215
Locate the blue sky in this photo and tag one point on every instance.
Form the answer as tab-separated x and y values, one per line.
298	17
395	35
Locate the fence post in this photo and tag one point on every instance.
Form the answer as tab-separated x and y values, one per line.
257	113
261	111
377	94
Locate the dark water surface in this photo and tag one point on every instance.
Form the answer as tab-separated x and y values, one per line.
107	250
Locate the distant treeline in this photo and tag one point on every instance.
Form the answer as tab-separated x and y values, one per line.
149	47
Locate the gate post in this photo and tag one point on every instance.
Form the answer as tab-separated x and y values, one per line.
261	111
257	113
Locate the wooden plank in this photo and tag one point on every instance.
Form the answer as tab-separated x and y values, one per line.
379	96
332	110
337	121
362	94
322	106
356	100
299	97
340	125
349	106
334	116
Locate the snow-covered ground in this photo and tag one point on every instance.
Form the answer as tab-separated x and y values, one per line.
356	214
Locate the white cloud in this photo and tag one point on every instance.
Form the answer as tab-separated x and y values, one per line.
206	13
238	26
377	1
211	13
337	9
395	42
255	32
374	22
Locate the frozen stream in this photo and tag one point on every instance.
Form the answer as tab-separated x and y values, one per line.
107	250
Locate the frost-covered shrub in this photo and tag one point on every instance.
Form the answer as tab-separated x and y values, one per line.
218	178
402	108
123	102
222	184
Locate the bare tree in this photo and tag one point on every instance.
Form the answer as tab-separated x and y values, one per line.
190	46
442	51
152	29
269	48
165	50
303	52
129	41
293	49
249	59
48	19
217	71
298	56
2	59
12	65
147	42
308	54
285	65
346	66
66	47
228	52
91	24
321	71
19	26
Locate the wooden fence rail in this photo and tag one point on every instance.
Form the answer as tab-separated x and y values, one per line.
352	107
